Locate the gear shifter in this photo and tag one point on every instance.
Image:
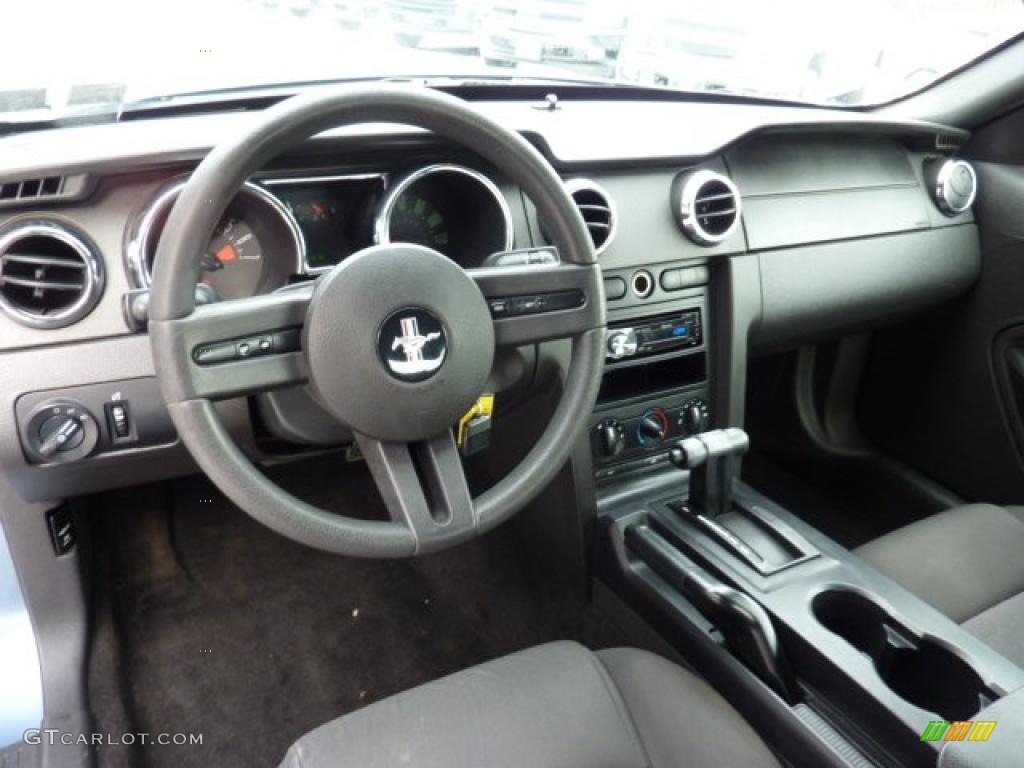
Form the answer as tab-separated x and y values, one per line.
710	457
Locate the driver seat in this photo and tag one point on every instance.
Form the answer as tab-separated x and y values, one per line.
551	706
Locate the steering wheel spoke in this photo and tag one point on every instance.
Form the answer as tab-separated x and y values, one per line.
237	347
535	303
424	487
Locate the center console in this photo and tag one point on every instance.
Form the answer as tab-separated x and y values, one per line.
811	643
862	667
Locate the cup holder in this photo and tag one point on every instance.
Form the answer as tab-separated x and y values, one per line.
919	669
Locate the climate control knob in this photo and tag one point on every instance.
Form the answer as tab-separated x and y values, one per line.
653	427
694	417
608	439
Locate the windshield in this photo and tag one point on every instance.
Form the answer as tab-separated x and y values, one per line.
73	56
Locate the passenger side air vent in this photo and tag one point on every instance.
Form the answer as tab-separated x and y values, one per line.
595	206
50	274
952	183
43	189
706	205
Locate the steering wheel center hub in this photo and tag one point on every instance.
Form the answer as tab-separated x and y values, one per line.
399	342
412	343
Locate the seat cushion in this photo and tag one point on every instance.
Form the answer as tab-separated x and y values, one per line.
552	706
1002	628
962	561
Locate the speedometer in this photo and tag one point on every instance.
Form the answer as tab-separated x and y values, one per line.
256	247
233	263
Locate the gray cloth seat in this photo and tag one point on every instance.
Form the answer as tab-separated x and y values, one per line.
968	563
552	706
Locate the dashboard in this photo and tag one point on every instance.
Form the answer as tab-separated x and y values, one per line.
735	228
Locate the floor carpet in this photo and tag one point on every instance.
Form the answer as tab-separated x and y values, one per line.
206	622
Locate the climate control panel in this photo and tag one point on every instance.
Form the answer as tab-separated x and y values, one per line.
643	433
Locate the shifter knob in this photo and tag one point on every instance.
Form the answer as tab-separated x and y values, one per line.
689	453
707	456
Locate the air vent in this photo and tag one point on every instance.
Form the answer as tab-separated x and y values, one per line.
595	206
50	276
30	189
945	141
706	206
44	189
953	184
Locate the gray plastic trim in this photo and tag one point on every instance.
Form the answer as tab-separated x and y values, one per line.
21	695
823	290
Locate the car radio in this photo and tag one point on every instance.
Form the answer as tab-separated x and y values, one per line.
655	336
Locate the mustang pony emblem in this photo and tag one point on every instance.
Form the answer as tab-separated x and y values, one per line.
414	345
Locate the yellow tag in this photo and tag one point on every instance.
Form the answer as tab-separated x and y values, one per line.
484	406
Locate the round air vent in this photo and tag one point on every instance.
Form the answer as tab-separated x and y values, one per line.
598	212
50	274
706	206
953	185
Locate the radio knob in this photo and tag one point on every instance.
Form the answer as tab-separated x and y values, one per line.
621	343
653	426
609	439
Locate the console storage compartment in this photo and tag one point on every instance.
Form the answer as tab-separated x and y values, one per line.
919	669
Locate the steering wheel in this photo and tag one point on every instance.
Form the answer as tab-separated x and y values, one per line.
397	341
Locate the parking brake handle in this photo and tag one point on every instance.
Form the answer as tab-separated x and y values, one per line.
745	625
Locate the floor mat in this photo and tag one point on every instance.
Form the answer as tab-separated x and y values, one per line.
208	623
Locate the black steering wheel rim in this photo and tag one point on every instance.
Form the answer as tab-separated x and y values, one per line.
176	326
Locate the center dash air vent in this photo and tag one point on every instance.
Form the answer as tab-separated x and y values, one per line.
50	274
595	206
706	205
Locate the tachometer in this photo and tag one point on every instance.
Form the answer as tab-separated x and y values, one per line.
416	220
454	210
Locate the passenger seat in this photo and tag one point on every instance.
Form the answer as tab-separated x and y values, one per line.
969	563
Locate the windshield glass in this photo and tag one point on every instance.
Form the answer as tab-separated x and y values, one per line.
73	56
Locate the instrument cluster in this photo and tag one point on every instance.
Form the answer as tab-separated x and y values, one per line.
280	229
